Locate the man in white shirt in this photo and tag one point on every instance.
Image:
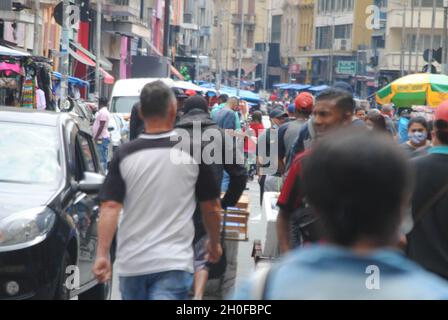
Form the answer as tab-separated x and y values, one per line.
101	132
158	197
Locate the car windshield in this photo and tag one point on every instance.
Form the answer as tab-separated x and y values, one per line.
123	104
29	154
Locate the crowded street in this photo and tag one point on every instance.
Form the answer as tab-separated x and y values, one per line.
225	150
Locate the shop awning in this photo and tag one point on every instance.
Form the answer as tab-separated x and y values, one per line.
81	57
5	51
317	89
72	80
104	63
108	78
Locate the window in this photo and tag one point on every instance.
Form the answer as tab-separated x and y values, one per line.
250	39
86	153
323	37
343	31
30	154
276	29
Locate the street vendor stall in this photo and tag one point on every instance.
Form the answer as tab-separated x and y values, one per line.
415	89
25	80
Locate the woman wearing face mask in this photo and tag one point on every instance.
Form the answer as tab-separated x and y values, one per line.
418	144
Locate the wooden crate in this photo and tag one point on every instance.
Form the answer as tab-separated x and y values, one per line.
243	203
236	225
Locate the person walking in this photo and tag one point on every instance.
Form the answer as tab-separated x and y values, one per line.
357	260
156	231
101	132
196	113
428	240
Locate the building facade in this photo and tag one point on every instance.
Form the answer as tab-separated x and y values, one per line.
226	38
404	48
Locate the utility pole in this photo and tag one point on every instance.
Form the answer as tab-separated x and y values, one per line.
166	29
240	58
267	46
98	48
417	40
36	46
445	38
64	53
433	26
330	58
410	40
403	39
198	36
219	49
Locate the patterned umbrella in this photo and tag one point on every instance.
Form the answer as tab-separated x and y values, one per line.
415	89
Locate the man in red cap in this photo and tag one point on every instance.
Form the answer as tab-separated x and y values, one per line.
288	133
428	240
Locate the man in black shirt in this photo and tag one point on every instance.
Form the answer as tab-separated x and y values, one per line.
196	113
428	241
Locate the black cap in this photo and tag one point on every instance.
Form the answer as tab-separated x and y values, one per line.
179	93
103	102
278	113
195	102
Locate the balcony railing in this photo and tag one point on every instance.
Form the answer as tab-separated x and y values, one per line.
122	8
249	19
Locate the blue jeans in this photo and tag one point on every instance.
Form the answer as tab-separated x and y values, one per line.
225	181
170	285
103	150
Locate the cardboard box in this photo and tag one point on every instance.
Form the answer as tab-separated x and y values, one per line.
236	224
243	203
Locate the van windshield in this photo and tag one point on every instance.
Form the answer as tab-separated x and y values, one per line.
123	104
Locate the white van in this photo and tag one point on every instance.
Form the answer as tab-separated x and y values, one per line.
126	93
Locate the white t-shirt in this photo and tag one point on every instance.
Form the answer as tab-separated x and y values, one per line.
159	198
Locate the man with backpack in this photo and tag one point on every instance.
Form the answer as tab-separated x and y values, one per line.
267	154
334	109
288	132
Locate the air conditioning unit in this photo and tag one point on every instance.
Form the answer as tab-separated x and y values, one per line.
343	44
248	53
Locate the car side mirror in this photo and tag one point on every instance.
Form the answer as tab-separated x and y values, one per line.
91	183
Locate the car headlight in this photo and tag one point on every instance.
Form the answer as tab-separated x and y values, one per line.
26	228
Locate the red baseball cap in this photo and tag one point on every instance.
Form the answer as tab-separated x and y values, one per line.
442	112
304	102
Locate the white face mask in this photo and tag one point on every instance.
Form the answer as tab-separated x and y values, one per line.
418	137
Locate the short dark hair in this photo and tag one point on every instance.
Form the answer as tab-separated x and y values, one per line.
223	98
257	116
419	120
441	129
379	121
155	100
103	102
359	109
344	100
356	183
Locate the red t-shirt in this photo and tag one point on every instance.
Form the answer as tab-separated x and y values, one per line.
249	146
291	197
